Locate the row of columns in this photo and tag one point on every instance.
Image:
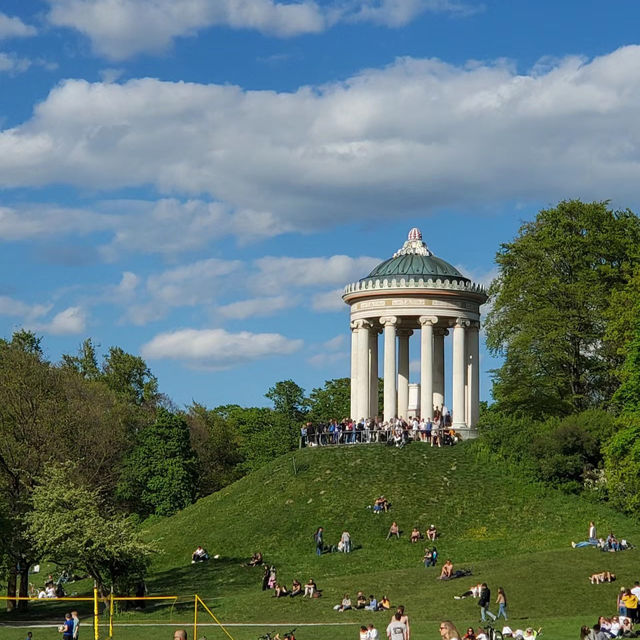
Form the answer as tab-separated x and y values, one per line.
465	374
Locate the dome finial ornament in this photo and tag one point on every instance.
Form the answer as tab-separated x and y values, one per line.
414	245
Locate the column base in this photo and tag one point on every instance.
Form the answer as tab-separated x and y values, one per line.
466	433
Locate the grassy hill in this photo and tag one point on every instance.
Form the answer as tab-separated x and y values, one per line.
510	533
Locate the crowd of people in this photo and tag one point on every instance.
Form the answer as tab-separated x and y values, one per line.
397	431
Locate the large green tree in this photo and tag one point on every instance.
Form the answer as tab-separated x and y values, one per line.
331	401
549	307
159	474
288	399
71	525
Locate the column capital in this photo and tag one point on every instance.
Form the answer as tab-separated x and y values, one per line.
460	322
389	320
361	324
428	320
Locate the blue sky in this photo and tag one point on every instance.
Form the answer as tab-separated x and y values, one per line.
195	180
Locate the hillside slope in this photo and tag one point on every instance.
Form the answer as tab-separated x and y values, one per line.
509	532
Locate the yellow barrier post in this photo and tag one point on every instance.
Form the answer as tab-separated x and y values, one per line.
199	599
195	616
111	614
96	621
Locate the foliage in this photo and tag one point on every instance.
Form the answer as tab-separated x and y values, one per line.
550	298
561	452
158	475
627	396
288	399
331	401
71	526
85	363
130	376
216	445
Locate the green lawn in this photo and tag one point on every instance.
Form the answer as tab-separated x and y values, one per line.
510	533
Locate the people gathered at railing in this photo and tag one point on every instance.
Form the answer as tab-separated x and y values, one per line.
397	431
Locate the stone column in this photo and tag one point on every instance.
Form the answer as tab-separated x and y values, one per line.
373	372
354	371
403	372
438	367
426	365
390	399
362	327
473	372
459	421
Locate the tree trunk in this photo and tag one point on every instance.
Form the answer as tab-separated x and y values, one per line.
24	585
12	580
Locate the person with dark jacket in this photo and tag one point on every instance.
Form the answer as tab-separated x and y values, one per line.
484	602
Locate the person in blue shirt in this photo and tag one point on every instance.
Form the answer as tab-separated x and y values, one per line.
67	627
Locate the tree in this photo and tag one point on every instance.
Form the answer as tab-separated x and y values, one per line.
288	399
129	375
216	445
72	526
331	401
158	476
549	300
85	363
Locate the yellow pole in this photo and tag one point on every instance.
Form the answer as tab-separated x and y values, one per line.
96	621
195	616
111	614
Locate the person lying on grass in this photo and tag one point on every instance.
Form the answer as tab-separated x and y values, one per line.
603	576
473	592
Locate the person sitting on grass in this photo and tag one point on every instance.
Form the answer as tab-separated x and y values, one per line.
281	591
310	588
384	604
256	560
447	570
415	535
361	601
431	532
530	633
373	604
470	635
199	555
345	605
393	530
603	576
296	588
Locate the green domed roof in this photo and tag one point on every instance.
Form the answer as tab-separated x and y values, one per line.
415	261
416	266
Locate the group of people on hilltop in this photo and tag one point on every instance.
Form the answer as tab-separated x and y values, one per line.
437	432
362	602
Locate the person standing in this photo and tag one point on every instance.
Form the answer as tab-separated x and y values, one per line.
372	632
484	602
404	619
67	627
76	624
318	538
179	634
501	601
345	538
397	630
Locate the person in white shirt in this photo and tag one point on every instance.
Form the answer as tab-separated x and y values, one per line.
636	589
397	630
372	633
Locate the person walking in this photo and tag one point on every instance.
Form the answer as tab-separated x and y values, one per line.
484	603
318	538
67	627
76	624
501	601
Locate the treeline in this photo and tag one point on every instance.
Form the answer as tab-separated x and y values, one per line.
89	448
565	318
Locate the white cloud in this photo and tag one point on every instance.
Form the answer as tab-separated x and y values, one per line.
331	300
13	64
256	307
282	273
216	348
405	140
13	27
114	25
71	321
15	308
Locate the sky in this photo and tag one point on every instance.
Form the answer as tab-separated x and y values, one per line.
195	181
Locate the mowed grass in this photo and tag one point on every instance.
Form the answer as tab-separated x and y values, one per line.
510	533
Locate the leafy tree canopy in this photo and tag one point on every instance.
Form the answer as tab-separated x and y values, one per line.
288	399
550	299
331	401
